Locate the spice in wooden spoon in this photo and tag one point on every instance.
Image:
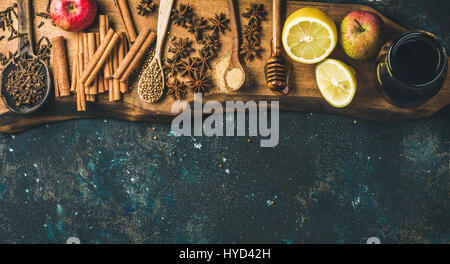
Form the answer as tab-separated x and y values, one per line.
235	75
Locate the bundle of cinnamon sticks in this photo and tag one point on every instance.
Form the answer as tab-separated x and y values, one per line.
105	61
98	56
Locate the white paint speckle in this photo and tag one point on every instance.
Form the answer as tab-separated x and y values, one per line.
198	145
356	202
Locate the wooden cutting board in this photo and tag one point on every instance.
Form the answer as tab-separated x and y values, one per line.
304	94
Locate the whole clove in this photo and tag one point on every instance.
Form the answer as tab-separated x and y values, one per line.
49	2
25	83
3	59
43	49
44	15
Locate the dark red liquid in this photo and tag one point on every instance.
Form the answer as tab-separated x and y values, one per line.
416	61
413	70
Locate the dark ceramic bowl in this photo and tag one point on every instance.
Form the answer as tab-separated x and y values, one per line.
9	101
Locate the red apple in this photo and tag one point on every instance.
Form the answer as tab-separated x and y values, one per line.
362	34
73	15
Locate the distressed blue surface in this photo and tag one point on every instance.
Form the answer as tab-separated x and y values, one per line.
332	179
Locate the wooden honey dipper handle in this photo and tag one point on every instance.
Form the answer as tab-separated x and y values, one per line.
276	69
276	25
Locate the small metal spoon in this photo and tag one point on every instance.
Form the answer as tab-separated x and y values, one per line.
165	8
25	48
234	62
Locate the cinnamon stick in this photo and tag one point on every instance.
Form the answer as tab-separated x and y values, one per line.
139	56
85	59
61	63
132	53
111	89
73	83
124	85
127	20
75	75
90	98
55	79
116	83
100	57
121	55
92	47
100	79
103	29
80	90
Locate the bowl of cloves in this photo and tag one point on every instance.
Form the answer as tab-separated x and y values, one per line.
24	84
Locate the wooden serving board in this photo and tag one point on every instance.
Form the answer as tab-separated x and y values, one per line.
304	94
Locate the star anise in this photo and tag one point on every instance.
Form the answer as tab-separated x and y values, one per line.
176	89
196	26
250	50
146	7
182	15
219	23
255	12
203	61
199	82
210	44
170	67
181	48
252	33
188	67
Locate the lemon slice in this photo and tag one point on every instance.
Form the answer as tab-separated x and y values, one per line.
337	82
309	35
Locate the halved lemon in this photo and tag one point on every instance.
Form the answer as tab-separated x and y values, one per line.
337	82
309	35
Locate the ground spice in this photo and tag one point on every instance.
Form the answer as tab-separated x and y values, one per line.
234	78
219	70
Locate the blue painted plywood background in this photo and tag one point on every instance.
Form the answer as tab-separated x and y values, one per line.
332	179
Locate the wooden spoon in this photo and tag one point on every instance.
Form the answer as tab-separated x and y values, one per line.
165	8
235	68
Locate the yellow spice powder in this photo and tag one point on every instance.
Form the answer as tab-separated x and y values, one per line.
234	78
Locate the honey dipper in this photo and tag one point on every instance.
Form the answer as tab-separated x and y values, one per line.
276	69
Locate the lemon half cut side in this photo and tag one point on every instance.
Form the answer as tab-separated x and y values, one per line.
337	82
309	35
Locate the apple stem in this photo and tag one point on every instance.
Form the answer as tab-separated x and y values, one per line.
360	26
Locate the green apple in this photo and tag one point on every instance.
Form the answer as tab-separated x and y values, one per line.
362	34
